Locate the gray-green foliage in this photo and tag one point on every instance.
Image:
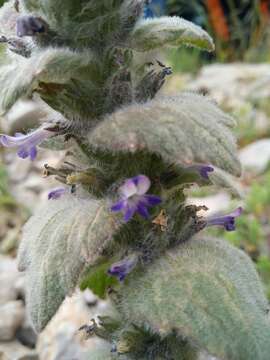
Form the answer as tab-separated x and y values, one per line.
169	31
46	66
174	128
85	63
206	291
58	243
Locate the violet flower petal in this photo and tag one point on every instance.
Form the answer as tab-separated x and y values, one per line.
57	193
151	200
142	210
237	212
133	198
122	268
129	212
28	25
128	189
22	153
142	183
227	221
118	206
26	143
204	170
33	153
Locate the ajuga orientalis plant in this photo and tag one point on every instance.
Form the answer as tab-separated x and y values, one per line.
119	223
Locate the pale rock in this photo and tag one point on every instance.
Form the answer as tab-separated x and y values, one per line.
15	351
20	285
261	89
256	156
12	317
90	298
215	203
26	334
9	275
18	169
27	184
230	84
25	114
61	339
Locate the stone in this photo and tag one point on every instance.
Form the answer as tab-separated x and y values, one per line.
9	275
216	204
256	156
27	336
89	298
15	351
27	184
230	84
25	114
19	286
61	339
12	316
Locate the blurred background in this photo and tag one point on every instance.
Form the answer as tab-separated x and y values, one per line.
237	77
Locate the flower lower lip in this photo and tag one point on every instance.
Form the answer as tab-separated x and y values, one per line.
26	144
226	221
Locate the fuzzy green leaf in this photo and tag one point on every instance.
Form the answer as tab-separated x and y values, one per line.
58	242
183	129
51	66
169	31
98	280
207	291
221	179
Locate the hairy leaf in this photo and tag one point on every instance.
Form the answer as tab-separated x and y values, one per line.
53	66
207	291
58	242
187	129
169	31
98	280
221	179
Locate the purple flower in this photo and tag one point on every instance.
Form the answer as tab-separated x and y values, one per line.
57	193
202	169
227	221
27	144
122	268
134	198
28	25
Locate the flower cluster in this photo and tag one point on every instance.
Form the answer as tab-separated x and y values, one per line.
134	197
